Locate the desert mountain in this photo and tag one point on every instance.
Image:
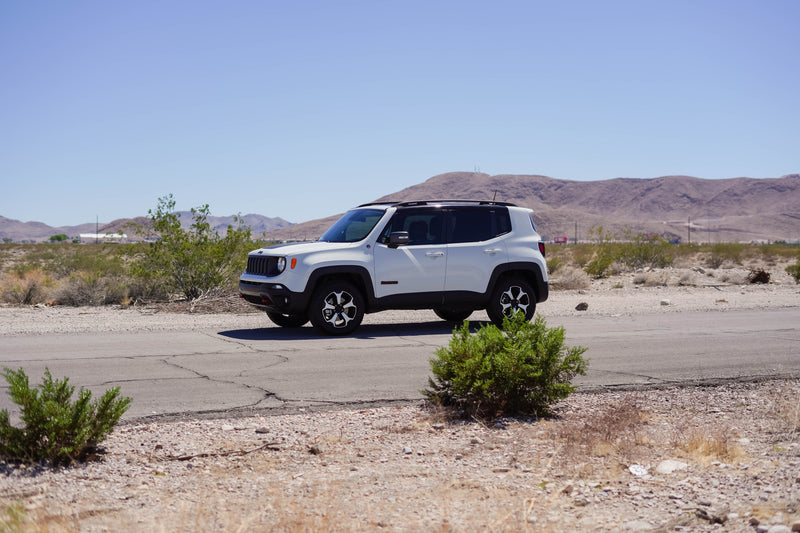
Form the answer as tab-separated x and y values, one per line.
17	230
38	231
700	210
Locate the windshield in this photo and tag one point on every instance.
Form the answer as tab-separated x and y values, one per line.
353	226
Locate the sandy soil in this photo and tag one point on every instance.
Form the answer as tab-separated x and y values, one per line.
723	458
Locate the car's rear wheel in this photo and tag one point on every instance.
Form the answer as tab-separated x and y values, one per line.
452	315
287	321
337	308
511	295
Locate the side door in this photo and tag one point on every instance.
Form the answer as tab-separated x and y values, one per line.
417	268
476	245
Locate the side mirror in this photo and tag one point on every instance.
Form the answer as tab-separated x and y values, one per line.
398	238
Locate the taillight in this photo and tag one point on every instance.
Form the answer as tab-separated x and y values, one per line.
541	248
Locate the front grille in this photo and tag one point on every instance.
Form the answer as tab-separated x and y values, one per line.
262	265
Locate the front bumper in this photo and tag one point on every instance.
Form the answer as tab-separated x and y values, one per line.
273	297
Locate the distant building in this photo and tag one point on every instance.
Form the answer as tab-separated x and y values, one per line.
104	237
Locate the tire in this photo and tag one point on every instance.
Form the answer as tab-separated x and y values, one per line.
452	315
287	321
509	296
337	308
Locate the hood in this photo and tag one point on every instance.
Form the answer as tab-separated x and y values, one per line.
297	248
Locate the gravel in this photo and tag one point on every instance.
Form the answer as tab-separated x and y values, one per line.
605	298
722	458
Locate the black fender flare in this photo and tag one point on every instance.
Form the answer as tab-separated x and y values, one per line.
531	271
354	273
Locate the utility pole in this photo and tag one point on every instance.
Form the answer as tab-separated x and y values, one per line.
689	230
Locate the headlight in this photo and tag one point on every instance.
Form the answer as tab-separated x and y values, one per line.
281	264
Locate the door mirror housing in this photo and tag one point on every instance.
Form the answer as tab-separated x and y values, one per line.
398	238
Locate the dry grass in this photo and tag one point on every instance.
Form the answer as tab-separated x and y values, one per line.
615	431
784	411
716	444
570	278
15	518
25	288
534	475
219	301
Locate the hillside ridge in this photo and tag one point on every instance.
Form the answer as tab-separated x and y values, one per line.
685	207
690	208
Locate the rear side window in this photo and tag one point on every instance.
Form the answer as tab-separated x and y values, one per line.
475	224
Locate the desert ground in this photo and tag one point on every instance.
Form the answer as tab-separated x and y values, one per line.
684	458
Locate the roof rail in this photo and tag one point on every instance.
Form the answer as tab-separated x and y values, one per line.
390	202
434	202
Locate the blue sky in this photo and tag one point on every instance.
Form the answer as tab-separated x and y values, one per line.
303	109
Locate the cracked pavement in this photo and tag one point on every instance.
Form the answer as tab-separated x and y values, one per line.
239	371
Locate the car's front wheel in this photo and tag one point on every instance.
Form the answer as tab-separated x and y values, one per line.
511	295
287	321
337	308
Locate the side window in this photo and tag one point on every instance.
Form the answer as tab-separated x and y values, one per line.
424	226
533	224
475	224
502	221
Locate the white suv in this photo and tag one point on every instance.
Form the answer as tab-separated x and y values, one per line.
451	256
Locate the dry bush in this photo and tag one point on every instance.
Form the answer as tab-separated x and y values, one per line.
656	279
715	443
734	278
16	518
25	288
570	278
90	288
615	431
758	275
82	288
217	301
651	279
784	409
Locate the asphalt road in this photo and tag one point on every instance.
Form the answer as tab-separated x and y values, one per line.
240	372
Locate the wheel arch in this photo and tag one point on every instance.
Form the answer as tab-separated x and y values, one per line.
357	275
530	272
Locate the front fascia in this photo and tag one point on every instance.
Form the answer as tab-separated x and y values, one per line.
290	291
296	277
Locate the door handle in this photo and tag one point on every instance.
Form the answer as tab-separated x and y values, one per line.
492	251
435	254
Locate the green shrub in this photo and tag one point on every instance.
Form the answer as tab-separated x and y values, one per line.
554	264
193	262
56	429
642	251
102	259
523	369
582	254
726	251
599	266
794	271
